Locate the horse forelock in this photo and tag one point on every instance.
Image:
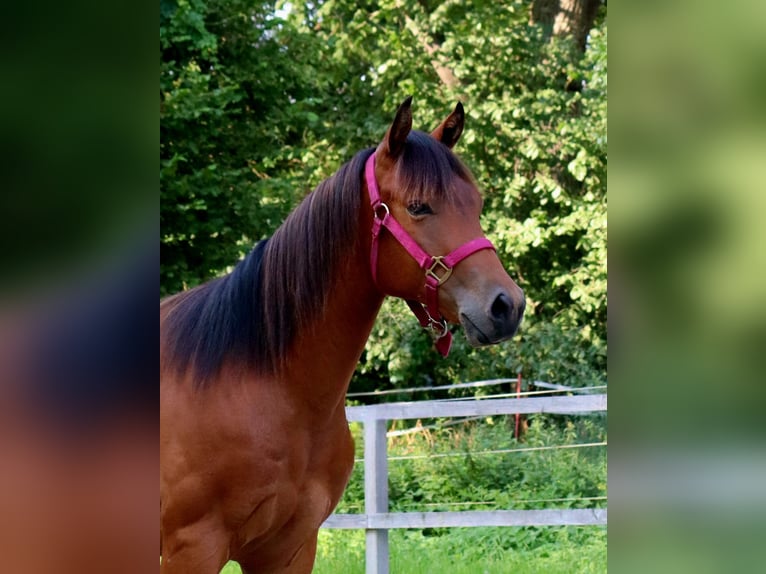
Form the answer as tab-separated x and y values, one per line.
428	170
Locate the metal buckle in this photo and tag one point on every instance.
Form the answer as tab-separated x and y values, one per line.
439	263
383	206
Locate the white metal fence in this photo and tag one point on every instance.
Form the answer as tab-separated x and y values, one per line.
376	519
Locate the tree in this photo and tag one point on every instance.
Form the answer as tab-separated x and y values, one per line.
234	108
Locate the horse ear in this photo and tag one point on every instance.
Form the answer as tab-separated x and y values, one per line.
399	130
450	129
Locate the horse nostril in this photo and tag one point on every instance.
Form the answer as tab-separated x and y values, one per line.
501	307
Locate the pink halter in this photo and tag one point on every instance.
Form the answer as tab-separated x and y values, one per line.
437	268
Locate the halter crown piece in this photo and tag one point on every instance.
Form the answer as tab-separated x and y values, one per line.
437	268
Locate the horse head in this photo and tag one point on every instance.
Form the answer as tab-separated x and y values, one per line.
434	254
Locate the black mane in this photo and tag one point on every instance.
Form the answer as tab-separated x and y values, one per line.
253	314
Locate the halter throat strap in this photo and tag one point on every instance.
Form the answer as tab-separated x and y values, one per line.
438	269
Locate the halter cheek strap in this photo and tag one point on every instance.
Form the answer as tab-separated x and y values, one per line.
437	268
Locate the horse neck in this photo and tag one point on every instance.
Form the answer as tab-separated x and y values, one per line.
323	358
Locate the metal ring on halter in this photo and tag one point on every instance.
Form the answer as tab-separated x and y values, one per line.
433	324
436	324
375	211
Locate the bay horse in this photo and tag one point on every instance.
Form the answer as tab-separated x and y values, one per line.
255	449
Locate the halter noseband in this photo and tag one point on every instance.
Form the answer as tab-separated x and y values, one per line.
437	268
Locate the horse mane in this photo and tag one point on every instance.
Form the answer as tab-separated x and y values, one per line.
254	313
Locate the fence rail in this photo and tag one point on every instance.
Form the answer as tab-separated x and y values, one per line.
376	519
578	404
466	518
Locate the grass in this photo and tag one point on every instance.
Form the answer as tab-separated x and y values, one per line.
463	551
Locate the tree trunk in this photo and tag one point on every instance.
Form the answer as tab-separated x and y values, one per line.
575	18
566	18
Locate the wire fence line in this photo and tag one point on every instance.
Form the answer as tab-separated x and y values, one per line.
522	394
518	501
552	388
488	452
496	451
471	385
495	502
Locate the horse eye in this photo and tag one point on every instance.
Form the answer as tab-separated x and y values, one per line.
419	209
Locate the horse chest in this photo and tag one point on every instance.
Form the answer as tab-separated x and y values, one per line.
299	498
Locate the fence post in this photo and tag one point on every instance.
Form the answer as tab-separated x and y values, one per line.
517	425
375	493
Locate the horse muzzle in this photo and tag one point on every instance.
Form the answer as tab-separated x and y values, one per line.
495	322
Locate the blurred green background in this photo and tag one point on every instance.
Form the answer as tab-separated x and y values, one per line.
687	323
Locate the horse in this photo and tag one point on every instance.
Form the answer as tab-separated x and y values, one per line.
255	449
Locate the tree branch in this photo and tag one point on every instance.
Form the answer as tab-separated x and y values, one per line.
446	75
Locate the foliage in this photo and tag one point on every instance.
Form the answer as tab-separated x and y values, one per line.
432	481
240	139
260	102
